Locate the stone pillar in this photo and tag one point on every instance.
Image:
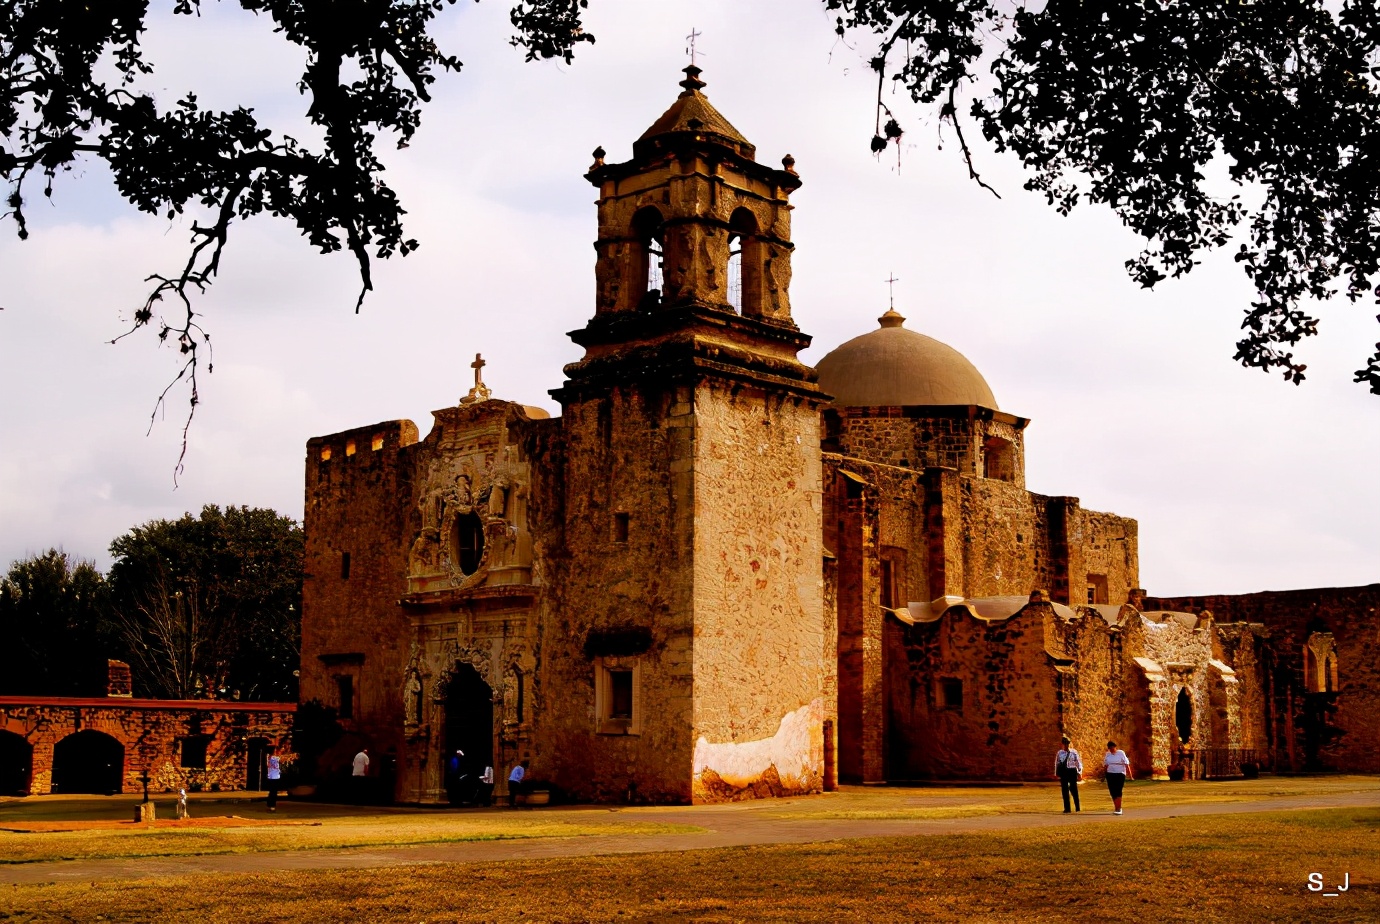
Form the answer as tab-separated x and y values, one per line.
1067	577
943	542
861	696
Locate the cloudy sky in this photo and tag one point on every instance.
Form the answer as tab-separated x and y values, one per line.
1240	481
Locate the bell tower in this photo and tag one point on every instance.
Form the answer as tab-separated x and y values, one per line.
693	218
684	593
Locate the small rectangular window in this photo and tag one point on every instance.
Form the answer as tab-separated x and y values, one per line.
620	694
1097	588
349	447
951	692
616	696
344	566
194	752
345	696
377	442
620	527
325	453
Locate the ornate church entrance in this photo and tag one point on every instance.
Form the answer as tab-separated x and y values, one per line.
16	764
469	728
88	761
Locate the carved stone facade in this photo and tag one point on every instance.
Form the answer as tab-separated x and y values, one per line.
696	584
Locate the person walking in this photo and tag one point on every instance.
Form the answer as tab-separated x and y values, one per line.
359	773
455	775
1118	772
515	779
275	775
1068	767
485	794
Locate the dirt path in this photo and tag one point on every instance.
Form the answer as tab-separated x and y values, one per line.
738	825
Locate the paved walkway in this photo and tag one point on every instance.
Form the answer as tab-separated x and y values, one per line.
736	825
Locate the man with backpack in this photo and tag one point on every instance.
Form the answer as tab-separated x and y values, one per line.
1068	767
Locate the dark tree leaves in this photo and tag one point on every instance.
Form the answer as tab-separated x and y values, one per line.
211	605
1126	104
368	66
56	626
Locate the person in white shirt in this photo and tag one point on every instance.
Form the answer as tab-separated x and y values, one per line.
485	794
1068	767
1118	772
359	773
275	776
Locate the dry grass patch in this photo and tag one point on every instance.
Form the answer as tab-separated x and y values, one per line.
1199	869
938	802
136	842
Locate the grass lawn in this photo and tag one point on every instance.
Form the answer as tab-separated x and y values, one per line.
1246	868
135	841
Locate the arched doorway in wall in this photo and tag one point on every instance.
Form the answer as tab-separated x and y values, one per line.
16	764
88	761
469	728
1183	717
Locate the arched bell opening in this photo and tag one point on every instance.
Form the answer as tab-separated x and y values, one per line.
649	258
16	764
88	761
743	274
469	728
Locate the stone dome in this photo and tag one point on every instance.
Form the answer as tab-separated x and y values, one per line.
895	367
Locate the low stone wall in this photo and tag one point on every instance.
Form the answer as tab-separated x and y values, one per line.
107	744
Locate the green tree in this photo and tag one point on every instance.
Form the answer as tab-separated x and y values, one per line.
211	605
56	624
1121	104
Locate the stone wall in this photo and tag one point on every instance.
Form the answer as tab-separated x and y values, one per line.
758	675
146	735
927	437
613	602
1309	729
1001	721
359	490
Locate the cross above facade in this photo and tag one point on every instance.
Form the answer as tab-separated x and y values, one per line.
480	391
691	39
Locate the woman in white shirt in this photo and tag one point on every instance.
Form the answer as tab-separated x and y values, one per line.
1118	772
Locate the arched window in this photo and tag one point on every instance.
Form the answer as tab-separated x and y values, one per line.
998	459
1320	663
743	274
648	264
469	543
1183	716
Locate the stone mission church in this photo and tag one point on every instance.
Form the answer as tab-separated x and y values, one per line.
696	583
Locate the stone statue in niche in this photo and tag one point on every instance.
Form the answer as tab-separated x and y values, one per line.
462	497
426	556
412	697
